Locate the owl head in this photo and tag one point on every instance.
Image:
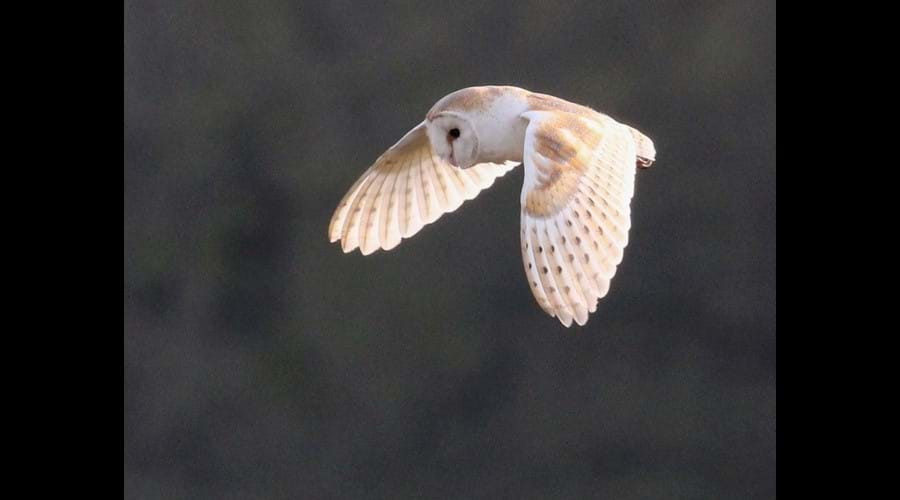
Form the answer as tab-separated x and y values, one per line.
453	138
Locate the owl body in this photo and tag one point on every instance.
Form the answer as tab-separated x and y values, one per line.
579	180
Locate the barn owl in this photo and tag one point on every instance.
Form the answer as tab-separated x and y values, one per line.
579	179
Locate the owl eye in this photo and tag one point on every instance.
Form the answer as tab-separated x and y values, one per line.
454	133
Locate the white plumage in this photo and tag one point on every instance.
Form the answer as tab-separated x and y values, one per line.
579	180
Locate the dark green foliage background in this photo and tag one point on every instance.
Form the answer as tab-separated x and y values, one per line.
262	362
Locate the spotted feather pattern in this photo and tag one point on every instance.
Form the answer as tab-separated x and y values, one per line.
579	181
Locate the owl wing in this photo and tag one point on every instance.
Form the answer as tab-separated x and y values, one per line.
406	188
579	180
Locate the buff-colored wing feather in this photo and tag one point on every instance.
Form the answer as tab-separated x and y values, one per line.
405	189
579	180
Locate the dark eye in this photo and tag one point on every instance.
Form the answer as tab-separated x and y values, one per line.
454	133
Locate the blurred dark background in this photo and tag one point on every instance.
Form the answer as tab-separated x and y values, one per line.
262	362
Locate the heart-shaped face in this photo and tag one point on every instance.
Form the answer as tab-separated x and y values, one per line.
453	138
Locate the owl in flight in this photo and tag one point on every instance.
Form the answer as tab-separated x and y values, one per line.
579	179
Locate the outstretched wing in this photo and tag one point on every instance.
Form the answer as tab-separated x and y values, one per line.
579	180
406	188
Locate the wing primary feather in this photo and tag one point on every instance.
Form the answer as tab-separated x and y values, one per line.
439	185
583	273
340	215
543	270
602	196
453	195
611	227
455	183
419	188
469	177
532	271
388	227
350	234
404	201
368	233
557	290
428	189
571	288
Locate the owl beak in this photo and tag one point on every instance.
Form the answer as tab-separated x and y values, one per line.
452	159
